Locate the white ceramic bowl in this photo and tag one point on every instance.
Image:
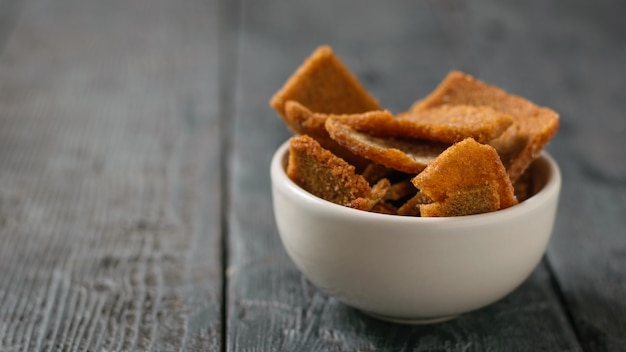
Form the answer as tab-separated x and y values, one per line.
411	269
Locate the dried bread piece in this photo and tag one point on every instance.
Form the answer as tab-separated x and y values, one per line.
305	121
400	190
524	185
413	206
467	166
323	84
454	123
377	193
473	199
519	145
384	208
313	123
344	129
374	172
447	123
323	174
410	156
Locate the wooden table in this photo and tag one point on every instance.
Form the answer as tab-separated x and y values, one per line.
135	140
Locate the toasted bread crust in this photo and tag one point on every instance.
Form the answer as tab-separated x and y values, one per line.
324	84
374	172
412	206
322	173
447	123
524	185
454	123
377	193
474	199
304	121
521	143
403	155
458	151
464	166
400	190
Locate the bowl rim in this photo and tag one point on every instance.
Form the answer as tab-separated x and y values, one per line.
280	181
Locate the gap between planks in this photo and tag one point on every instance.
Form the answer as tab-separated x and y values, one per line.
228	43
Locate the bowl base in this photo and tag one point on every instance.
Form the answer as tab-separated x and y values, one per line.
411	321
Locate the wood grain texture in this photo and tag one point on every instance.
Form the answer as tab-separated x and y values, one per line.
585	51
109	177
400	52
135	140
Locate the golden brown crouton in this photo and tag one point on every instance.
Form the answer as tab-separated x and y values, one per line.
520	144
323	84
447	123
467	166
410	156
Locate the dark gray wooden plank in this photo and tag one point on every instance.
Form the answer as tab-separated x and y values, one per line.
400	51
583	66
109	177
9	15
